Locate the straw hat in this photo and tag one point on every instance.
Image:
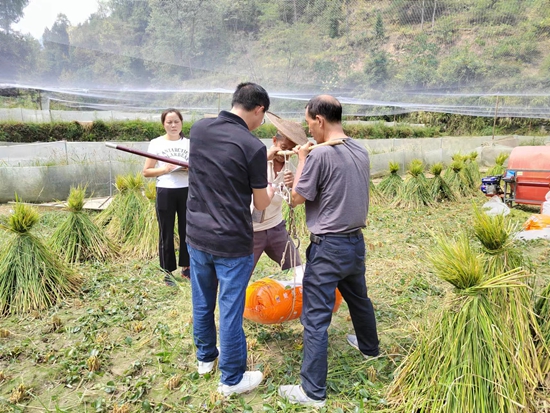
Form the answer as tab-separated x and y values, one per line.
292	130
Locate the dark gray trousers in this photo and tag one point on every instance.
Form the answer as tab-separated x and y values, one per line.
333	262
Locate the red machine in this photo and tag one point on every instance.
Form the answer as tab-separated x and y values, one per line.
527	179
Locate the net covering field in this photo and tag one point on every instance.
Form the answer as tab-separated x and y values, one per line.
472	57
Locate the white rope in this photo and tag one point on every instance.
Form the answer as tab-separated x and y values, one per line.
286	193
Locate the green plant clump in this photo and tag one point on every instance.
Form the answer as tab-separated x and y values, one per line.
78	238
438	186
415	192
465	361
391	184
31	276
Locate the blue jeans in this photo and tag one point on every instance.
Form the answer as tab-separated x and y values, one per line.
333	262
230	275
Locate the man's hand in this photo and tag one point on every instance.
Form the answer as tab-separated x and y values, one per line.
302	151
271	152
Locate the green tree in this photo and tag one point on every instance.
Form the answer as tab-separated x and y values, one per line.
11	12
421	62
377	68
379	32
242	16
19	55
56	47
326	73
285	55
103	52
187	38
334	15
461	67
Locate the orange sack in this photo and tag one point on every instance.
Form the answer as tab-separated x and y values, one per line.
537	221
270	301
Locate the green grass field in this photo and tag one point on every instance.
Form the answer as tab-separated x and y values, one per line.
124	344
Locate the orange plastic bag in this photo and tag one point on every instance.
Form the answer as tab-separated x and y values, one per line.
537	221
270	301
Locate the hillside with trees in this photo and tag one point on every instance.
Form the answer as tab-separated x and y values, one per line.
419	51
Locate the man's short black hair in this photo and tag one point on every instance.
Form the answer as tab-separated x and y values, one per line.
326	106
249	95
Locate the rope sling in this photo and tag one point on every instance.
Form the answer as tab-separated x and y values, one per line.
286	193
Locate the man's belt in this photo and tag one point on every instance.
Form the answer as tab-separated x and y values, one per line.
316	239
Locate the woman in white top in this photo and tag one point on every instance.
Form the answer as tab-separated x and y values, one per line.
172	190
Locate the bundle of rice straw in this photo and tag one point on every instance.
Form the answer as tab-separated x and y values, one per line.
455	178
471	171
392	183
31	276
126	210
78	238
495	233
499	167
542	310
142	241
415	192
438	187
376	197
466	360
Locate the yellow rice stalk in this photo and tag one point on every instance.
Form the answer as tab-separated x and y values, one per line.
75	201
456	180
471	171
127	186
438	187
78	239
542	310
391	184
32	278
124	213
499	167
514	305
142	240
466	359
415	192
150	191
376	197
121	182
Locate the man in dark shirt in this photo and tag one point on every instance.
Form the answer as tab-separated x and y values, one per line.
333	181
227	164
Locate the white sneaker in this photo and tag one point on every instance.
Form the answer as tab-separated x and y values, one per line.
205	367
352	340
250	380
295	394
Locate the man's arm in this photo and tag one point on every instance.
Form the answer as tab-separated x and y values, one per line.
302	152
262	197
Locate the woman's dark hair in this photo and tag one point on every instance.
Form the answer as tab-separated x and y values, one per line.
326	106
249	95
170	110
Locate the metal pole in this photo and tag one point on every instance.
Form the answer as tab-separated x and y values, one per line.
495	120
110	176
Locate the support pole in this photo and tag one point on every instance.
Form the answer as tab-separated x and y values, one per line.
495	120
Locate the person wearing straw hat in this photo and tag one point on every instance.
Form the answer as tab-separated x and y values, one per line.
270	233
333	182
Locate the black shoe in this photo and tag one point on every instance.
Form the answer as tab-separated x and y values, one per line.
186	273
